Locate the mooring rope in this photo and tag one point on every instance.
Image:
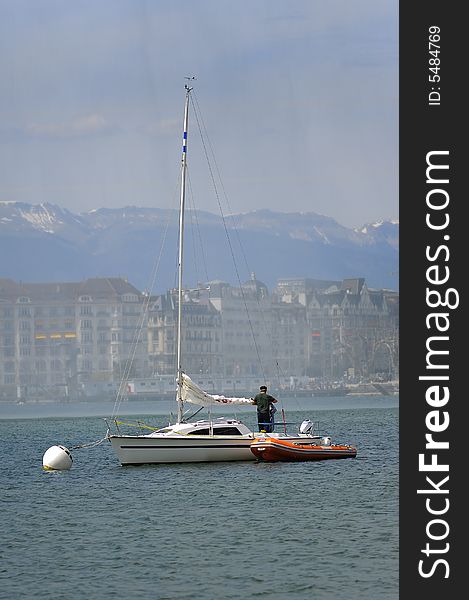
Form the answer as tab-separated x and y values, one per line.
90	445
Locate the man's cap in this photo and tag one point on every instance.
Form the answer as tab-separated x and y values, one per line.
263	387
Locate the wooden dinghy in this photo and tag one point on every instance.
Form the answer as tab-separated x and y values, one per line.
274	449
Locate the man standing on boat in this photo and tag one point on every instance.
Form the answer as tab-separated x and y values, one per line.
265	410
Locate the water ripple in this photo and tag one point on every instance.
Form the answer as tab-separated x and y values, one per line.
306	530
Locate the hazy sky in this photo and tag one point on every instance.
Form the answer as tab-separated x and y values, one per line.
299	97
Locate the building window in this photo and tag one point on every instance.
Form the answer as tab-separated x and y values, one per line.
9	367
39	325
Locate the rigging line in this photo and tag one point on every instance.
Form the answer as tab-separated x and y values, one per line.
194	229
175	284
232	215
138	330
197	227
229	243
193	236
236	230
139	424
229	240
131	358
236	227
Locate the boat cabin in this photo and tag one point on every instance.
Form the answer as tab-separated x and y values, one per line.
220	426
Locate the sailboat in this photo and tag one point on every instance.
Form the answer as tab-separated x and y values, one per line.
220	439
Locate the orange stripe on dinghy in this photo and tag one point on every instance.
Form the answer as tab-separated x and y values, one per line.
272	449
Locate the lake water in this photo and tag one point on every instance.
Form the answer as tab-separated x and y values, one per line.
311	530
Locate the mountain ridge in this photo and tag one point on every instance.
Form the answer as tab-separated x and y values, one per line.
45	242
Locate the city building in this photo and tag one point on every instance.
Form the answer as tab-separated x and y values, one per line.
58	338
352	331
201	334
246	327
66	340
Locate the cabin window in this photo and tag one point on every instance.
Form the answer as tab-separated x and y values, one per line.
217	431
227	431
199	432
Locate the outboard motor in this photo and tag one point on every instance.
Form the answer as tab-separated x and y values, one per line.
306	428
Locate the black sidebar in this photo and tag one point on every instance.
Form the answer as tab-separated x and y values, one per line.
434	367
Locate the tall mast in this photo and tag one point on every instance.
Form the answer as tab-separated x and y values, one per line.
181	249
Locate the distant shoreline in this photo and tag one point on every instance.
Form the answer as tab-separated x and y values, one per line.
106	408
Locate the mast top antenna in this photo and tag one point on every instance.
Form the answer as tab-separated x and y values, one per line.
187	87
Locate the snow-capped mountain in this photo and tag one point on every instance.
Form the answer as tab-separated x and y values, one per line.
45	242
387	231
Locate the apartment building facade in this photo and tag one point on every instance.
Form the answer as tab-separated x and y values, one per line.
57	337
201	338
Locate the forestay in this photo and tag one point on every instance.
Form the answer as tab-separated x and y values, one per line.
190	392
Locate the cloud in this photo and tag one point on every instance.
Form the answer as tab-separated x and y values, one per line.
164	127
299	99
89	125
93	125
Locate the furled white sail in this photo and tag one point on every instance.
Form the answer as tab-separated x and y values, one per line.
190	392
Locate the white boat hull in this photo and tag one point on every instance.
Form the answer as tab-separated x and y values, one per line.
136	450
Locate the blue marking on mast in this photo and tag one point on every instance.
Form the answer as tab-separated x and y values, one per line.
185	135
184	148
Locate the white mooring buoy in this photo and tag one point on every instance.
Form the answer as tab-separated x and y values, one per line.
57	458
